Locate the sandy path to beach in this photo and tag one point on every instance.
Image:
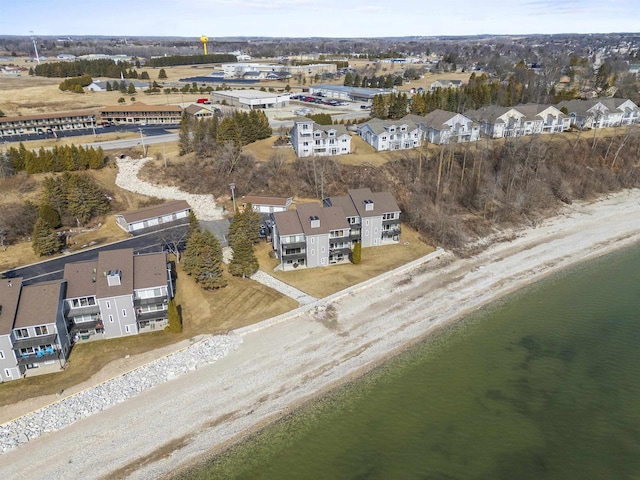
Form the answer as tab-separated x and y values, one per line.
281	365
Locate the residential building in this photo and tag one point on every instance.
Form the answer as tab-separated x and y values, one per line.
442	127
40	338
545	118
314	236
601	112
9	297
311	236
383	135
265	204
57	122
499	122
33	332
310	139
119	294
374	217
138	113
145	219
445	83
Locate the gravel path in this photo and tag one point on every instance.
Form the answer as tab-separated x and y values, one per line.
204	206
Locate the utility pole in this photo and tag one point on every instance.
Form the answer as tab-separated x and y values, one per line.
233	196
144	148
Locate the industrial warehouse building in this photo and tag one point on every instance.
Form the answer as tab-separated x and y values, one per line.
250	99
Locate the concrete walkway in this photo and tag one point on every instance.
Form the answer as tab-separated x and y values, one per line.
284	288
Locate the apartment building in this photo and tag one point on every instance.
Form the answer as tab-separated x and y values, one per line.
310	139
43	122
317	236
119	294
33	333
601	112
384	135
443	127
139	113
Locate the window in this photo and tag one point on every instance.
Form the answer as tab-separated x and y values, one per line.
124	312
108	305
7	373
127	328
1	355
110	318
22	333
43	330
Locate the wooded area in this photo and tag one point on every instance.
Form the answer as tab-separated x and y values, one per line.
452	194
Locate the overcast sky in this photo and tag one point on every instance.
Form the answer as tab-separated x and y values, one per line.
316	18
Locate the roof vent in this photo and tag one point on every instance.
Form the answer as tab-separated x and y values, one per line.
368	205
315	221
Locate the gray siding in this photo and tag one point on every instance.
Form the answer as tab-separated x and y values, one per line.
118	314
8	364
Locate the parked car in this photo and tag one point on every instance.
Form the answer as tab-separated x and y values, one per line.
40	131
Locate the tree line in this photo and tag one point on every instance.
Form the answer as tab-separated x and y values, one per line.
75	84
95	68
382	81
227	135
173	60
478	93
60	158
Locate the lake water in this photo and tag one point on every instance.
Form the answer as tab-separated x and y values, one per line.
543	385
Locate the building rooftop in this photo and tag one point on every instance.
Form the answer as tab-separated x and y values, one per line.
81	278
141	107
39	304
9	296
114	273
155	211
149	270
265	200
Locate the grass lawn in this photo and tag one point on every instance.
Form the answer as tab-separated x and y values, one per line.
241	303
321	282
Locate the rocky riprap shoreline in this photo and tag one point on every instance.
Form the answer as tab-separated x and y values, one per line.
100	397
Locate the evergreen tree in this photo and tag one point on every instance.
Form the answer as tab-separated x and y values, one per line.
43	239
144	75
108	87
203	260
50	215
162	75
348	79
173	314
356	254
379	107
245	224
131	89
244	262
194	223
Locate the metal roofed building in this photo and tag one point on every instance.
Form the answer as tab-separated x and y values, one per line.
250	99
145	219
358	94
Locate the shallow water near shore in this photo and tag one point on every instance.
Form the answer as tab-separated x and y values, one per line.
543	384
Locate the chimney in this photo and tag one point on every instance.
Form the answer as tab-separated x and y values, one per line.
315	221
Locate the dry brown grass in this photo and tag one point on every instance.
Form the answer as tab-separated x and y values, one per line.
321	282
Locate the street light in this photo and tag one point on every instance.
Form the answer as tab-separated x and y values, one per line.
144	148
233	196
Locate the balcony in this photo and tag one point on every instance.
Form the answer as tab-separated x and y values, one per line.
340	251
392	233
392	223
143	302
43	355
292	245
88	310
355	235
153	315
34	341
294	256
90	325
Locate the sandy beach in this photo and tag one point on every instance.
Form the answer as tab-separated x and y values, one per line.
280	365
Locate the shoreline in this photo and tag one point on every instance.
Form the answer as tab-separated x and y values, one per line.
281	367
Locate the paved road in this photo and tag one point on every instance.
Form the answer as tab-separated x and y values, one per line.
134	142
146	243
53	269
148	131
